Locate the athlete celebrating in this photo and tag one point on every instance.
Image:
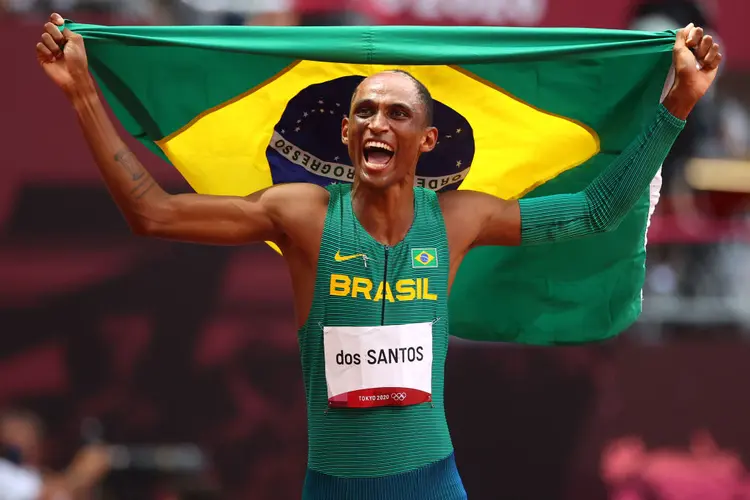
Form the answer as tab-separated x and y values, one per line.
372	263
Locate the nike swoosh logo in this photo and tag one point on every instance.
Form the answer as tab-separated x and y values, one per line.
343	258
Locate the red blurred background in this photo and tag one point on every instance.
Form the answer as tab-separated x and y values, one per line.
165	343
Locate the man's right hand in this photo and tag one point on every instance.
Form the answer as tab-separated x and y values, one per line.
62	55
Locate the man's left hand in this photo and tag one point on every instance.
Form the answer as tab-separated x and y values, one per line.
696	61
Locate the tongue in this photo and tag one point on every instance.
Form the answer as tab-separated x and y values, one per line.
378	157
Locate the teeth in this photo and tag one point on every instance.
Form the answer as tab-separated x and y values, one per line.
378	144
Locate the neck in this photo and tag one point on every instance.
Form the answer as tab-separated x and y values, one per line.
386	214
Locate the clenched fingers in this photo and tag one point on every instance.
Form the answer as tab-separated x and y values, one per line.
695	35
51	45
43	52
54	32
713	58
703	47
56	18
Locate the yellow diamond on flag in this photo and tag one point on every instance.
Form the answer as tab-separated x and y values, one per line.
425	258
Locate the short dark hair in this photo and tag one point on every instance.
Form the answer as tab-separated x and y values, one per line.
424	95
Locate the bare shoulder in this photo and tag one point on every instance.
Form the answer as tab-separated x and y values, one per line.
289	200
300	209
466	201
459	214
450	200
473	218
461	203
299	191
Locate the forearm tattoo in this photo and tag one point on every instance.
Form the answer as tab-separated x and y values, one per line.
129	162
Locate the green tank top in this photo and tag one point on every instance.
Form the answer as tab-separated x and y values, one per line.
362	283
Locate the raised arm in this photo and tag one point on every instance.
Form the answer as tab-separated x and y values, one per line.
608	199
148	209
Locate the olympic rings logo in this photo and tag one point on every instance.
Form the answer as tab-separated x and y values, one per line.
398	396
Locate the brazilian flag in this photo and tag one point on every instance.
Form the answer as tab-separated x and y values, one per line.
521	112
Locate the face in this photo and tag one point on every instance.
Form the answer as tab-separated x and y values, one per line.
387	130
22	434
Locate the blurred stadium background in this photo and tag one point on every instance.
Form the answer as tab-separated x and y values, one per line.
180	362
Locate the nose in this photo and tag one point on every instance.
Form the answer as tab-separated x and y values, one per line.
378	123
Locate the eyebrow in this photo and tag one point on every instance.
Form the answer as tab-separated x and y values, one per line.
368	101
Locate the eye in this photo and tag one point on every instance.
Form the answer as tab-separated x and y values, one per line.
363	111
399	113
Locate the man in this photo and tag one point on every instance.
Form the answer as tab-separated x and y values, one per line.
20	456
22	473
367	261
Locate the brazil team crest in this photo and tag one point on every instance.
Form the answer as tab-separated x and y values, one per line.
424	258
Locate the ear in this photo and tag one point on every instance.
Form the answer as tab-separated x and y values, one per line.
345	131
429	140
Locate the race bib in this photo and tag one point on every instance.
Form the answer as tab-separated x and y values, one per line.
378	365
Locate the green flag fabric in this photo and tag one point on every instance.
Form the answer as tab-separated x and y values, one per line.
521	112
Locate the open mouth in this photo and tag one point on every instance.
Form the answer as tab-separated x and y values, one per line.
378	154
